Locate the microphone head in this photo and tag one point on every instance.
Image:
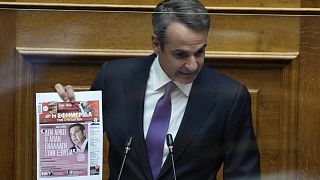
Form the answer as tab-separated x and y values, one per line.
128	144
170	147
169	140
170	143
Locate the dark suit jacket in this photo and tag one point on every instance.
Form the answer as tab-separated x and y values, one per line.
216	127
74	148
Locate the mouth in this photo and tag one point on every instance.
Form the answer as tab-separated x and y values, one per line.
188	74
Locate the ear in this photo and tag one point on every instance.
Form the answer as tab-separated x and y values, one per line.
155	44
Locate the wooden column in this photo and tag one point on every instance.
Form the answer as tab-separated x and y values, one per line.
308	141
7	93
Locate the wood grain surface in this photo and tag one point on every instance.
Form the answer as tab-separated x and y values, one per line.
132	31
7	93
308	143
224	3
275	56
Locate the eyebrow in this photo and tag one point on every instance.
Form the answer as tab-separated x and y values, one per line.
177	51
202	48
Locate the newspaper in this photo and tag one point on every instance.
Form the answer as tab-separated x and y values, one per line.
69	137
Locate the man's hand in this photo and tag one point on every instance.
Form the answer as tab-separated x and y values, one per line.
65	92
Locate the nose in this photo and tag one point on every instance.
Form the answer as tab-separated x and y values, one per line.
192	64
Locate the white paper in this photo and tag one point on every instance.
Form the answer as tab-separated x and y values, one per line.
69	137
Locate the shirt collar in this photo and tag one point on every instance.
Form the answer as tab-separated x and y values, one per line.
159	78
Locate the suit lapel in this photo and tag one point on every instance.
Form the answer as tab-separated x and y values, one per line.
199	107
135	92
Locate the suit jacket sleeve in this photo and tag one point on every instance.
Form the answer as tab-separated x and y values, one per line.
241	158
100	83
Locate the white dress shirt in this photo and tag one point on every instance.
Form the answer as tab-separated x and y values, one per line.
155	89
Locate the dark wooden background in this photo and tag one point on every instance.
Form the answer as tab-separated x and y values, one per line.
276	55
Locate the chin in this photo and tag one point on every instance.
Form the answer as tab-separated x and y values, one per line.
186	80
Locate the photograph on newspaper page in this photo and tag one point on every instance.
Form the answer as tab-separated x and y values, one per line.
69	137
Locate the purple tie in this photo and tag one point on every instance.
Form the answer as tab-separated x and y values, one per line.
158	130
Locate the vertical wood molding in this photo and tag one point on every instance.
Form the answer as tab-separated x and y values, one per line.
255	110
25	166
288	117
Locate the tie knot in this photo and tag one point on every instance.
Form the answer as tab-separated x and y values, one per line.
169	87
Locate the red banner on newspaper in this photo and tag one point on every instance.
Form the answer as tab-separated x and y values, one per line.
59	112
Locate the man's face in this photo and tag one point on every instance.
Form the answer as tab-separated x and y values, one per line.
182	56
77	135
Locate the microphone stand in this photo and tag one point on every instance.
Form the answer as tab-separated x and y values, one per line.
126	150
170	146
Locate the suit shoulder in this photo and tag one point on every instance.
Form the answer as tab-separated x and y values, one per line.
227	89
220	80
121	63
131	62
120	67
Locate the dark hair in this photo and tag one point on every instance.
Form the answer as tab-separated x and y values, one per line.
81	126
191	13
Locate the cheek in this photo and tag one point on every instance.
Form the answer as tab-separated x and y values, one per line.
178	67
200	60
200	63
172	65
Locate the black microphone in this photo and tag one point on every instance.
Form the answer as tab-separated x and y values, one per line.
170	146
127	148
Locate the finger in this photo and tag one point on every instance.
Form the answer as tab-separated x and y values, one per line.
61	91
70	93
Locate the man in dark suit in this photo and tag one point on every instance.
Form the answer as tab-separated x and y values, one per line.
209	114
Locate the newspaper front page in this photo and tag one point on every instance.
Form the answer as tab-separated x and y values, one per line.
69	137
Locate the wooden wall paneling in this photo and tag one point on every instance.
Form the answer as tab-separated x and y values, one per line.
267	76
28	84
309	109
221	3
276	110
39	74
310	3
132	31
83	30
254	93
288	126
308	146
25	166
252	49
308	152
7	93
254	33
252	3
